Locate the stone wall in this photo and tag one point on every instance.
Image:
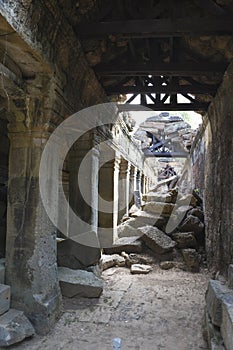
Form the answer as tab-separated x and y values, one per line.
218	177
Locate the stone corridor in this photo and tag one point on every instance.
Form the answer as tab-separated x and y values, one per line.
161	311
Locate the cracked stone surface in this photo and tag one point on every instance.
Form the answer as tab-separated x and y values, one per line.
145	311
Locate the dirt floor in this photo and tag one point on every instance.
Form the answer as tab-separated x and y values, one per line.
159	311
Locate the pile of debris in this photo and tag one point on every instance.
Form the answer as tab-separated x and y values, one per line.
170	226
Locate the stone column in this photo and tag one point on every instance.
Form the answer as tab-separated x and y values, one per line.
108	191
83	194
132	184
31	267
123	189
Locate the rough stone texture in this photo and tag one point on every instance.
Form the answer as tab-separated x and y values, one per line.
156	240
163	197
5	296
79	283
2	271
126	230
227	323
163	209
167	265
193	224
125	244
230	276
184	240
140	269
182	210
76	256
14	327
214	298
198	213
154	220
218	169
108	261
212	334
188	199
192	259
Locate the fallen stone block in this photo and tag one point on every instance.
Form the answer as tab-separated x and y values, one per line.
108	261
184	240
79	283
125	244
126	230
227	323
156	240
182	210
150	219
5	296
14	327
211	334
167	265
192	259
74	255
193	224
198	213
214	296
140	269
163	209
162	197
230	276
188	199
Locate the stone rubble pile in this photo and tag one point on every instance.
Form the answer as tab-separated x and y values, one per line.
171	225
218	316
14	325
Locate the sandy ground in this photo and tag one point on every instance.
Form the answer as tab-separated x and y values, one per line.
159	311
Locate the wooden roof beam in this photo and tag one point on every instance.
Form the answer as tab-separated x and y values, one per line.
157	27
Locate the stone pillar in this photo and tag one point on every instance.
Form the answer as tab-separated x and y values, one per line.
83	194
31	267
108	191
123	189
143	183
132	184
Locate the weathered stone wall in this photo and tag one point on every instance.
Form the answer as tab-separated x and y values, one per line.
218	176
197	155
4	154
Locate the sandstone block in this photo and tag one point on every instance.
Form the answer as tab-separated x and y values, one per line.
230	276
192	259
214	297
108	261
162	197
156	240
140	269
74	255
227	323
125	244
167	265
5	296
150	219
212	334
193	224
198	213
14	327
188	199
79	283
163	209
184	240
126	230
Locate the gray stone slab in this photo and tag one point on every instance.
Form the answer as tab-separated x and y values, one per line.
185	240
125	244
230	276
126	230
192	259
156	240
14	327
159	208
79	283
212	334
111	260
5	296
140	269
214	298
227	323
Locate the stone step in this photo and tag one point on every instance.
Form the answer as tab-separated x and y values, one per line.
156	240
125	244
79	283
5	295
14	327
159	208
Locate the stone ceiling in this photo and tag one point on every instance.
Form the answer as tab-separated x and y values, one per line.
193	50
